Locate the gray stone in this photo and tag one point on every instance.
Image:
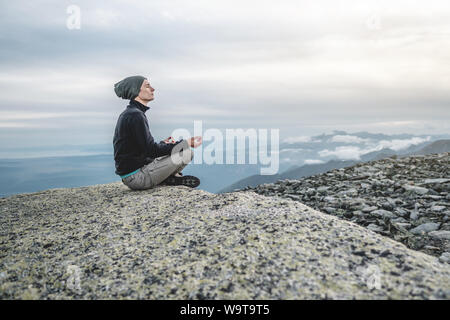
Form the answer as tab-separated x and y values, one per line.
416	189
322	189
400	212
383	213
438	208
369	209
442	234
431	196
357	213
445	257
329	210
414	215
330	199
387	205
399	220
432	181
433	192
425	228
404	225
375	227
349	192
294	197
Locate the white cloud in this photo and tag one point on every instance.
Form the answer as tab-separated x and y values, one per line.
291	150
398	144
45	120
22	125
14	115
105	18
348	139
169	16
297	139
343	152
425	126
354	152
295	64
313	161
61	86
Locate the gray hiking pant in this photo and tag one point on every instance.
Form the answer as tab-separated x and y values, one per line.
157	171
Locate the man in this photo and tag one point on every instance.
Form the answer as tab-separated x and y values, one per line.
140	161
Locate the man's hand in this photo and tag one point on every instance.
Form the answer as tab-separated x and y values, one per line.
194	142
169	140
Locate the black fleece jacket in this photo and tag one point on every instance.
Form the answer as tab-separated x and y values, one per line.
134	145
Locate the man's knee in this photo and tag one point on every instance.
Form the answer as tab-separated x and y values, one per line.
183	157
188	155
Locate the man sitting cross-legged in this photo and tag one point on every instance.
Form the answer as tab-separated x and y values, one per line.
140	161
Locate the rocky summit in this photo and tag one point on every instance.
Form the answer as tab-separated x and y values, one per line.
109	242
406	199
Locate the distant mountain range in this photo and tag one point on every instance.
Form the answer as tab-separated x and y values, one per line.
307	170
298	157
439	146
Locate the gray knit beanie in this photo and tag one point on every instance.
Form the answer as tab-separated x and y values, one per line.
129	88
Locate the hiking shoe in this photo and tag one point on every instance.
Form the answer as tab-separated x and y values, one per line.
189	181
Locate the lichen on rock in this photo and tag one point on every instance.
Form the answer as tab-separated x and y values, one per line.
108	242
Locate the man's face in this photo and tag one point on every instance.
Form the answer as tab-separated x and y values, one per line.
146	92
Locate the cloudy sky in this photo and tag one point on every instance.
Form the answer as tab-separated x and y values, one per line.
304	67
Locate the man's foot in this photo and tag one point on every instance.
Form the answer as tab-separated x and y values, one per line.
189	181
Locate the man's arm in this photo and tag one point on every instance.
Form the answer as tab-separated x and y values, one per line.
144	139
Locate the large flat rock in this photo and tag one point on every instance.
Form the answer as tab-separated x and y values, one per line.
108	242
